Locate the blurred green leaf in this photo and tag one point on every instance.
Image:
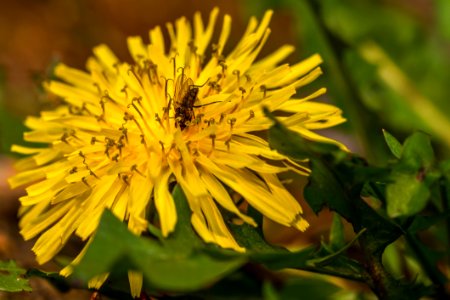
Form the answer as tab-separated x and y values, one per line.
394	145
301	288
54	278
444	166
417	152
308	288
355	20
378	96
240	285
393	260
314	38
269	292
421	223
428	259
283	259
411	63
408	195
12	277
174	265
442	11
412	177
337	234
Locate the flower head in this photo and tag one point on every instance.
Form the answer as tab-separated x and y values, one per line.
187	114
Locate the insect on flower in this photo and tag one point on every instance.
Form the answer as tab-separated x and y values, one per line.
185	95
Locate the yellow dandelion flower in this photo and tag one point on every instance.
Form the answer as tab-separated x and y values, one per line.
187	114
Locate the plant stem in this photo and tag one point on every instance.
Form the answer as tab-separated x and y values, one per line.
379	277
358	278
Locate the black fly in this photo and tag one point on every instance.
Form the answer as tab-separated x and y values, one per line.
185	95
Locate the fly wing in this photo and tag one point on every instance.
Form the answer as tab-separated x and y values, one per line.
182	87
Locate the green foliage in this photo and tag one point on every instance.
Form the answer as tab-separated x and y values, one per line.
301	288
181	262
394	145
442	8
412	177
12	277
337	181
173	264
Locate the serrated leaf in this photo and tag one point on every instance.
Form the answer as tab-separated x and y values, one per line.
322	183
251	238
12	277
273	257
394	145
333	183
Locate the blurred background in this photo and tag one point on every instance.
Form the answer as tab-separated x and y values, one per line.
386	65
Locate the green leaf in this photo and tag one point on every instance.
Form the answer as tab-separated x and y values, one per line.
166	266
407	196
252	238
428	259
444	167
283	259
412	177
337	234
184	238
421	223
57	280
273	257
394	145
308	288
301	288
241	284
12	278
417	152
269	292
442	11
